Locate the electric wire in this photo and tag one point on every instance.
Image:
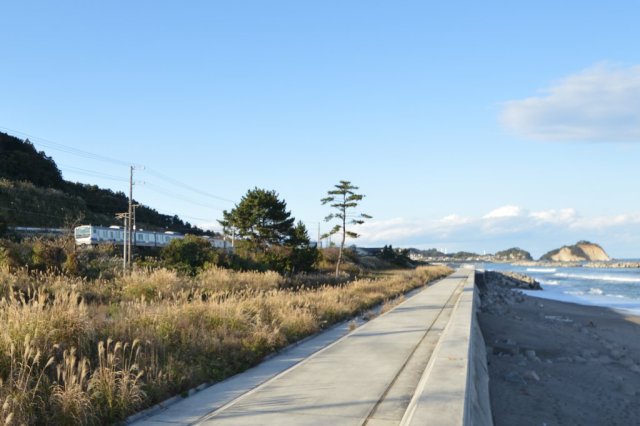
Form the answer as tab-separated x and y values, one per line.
163	191
93	173
66	148
42	142
184	185
90	155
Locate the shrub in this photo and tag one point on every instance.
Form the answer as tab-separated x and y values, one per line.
46	255
188	254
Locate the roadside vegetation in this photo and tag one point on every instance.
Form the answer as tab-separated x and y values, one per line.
92	351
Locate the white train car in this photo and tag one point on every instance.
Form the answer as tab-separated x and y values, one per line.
91	235
218	243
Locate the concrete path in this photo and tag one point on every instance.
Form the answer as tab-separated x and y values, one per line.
367	377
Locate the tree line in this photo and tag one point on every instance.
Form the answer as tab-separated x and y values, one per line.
266	233
264	230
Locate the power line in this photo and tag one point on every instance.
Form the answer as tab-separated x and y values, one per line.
185	186
163	191
194	217
93	173
66	148
91	155
99	157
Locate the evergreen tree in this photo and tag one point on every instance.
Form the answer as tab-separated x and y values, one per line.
303	254
261	219
344	199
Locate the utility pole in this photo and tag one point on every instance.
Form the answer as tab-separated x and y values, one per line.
133	226
125	245
130	213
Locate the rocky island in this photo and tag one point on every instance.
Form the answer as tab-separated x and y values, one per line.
514	254
582	251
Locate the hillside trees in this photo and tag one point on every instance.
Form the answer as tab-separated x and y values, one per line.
20	161
25	172
343	199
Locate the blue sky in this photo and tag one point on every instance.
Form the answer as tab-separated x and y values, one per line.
468	125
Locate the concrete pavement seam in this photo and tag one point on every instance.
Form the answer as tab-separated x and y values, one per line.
406	419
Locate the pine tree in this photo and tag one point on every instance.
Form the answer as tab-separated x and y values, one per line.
343	199
261	219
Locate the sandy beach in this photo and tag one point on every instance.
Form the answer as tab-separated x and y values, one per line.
556	363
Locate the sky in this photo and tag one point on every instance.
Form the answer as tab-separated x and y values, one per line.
468	125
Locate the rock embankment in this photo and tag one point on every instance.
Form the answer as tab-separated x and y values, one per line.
618	265
548	264
497	293
513	280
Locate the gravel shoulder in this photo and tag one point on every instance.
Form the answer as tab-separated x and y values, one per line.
556	363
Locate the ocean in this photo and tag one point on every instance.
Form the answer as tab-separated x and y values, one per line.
610	287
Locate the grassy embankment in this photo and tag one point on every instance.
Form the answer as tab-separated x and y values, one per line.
76	351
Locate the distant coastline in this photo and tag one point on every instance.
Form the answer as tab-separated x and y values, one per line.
613	264
581	254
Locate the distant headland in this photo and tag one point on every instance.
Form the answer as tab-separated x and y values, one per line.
582	253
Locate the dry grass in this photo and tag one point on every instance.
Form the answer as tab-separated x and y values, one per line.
70	398
155	334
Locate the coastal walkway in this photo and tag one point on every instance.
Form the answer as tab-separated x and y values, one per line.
407	366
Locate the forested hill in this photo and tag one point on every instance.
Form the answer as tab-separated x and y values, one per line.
19	160
33	193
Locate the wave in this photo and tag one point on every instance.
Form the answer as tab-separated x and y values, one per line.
542	270
610	278
594	291
619	296
549	282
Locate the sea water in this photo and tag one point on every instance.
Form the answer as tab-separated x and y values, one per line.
617	288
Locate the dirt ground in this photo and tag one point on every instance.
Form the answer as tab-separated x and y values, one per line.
555	363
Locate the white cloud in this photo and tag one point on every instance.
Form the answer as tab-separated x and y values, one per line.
503	212
209	226
606	222
388	230
558	217
601	104
454	219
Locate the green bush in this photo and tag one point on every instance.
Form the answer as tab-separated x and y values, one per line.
188	255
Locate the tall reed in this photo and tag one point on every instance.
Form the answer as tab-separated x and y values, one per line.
156	333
